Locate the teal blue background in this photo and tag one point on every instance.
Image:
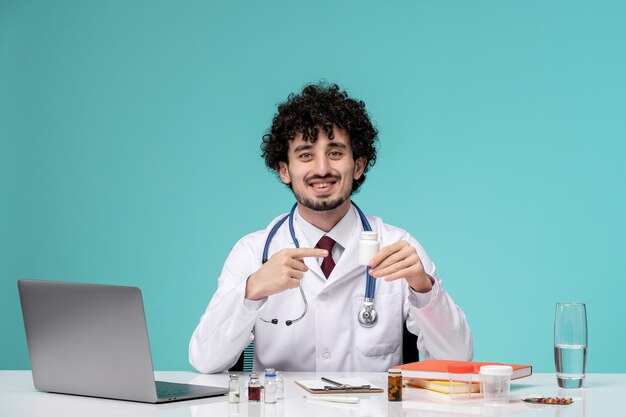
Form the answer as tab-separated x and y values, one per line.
130	132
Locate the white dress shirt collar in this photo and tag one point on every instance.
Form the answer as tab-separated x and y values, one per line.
341	233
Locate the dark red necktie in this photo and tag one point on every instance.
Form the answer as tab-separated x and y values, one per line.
327	264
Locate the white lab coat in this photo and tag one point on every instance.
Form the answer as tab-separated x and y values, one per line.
329	337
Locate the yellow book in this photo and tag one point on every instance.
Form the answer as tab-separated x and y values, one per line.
439	385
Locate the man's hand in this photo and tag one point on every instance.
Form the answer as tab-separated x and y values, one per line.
282	271
400	260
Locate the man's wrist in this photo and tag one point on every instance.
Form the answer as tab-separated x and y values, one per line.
250	293
424	286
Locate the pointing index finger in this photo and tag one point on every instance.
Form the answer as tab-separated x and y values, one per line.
300	253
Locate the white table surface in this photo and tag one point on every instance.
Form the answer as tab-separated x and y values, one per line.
603	395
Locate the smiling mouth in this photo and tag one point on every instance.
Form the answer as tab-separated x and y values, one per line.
323	187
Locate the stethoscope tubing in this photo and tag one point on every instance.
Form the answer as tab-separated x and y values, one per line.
370	284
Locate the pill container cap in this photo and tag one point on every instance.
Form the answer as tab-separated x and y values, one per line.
496	370
395	371
369	235
461	369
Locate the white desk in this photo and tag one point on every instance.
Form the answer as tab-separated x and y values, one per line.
602	395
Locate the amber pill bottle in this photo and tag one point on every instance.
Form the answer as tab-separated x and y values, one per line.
394	386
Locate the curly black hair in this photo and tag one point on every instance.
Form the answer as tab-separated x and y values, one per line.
325	106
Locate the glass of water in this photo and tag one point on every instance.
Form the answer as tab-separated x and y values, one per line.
570	344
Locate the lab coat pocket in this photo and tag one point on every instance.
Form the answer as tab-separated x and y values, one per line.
385	336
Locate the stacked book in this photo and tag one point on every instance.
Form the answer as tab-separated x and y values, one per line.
434	375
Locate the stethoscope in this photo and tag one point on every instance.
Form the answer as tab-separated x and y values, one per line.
367	316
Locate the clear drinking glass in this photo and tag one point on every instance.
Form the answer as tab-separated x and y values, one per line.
570	344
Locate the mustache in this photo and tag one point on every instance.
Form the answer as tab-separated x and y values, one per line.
319	177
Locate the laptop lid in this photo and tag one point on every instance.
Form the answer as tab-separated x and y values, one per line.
89	339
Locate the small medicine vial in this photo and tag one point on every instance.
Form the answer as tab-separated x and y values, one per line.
394	386
270	386
233	389
368	247
254	388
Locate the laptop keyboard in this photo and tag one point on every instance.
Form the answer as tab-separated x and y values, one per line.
170	390
175	391
167	393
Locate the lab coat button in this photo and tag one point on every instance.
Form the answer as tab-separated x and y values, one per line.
323	296
326	355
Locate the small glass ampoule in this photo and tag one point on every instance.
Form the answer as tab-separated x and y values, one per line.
233	389
254	388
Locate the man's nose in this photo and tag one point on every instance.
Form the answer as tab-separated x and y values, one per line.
322	166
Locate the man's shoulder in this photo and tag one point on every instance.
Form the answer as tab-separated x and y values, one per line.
254	238
387	229
250	247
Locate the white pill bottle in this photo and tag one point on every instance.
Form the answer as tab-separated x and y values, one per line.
368	247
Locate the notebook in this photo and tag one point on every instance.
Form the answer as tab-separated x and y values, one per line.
445	387
92	340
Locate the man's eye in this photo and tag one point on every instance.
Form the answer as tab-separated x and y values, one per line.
305	155
336	154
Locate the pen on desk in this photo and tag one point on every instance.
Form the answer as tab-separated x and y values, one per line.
334	398
338	386
332	382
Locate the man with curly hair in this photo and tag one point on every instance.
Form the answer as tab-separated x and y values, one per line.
321	144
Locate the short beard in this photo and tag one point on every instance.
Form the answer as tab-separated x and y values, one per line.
324	205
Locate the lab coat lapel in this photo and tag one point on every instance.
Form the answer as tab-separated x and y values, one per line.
348	262
314	266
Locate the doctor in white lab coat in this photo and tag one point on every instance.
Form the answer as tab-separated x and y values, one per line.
324	163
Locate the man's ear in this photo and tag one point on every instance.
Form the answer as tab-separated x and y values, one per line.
283	172
359	167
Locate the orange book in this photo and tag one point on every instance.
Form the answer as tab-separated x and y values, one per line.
438	369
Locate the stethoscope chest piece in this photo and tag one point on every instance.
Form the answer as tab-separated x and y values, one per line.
368	316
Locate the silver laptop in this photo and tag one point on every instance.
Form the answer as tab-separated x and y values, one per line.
92	340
